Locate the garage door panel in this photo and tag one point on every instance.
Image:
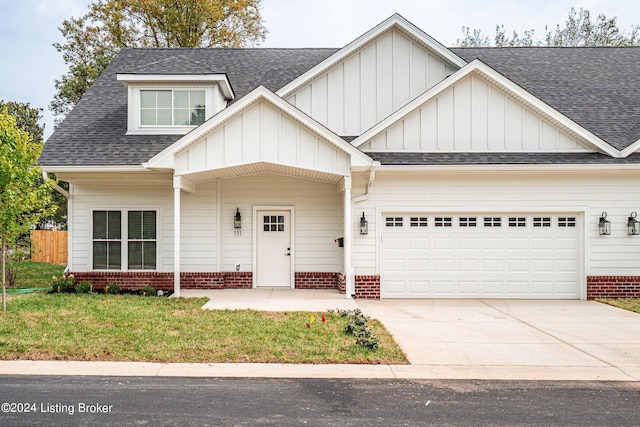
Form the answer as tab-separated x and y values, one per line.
503	256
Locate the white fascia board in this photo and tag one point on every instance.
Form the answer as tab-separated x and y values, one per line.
633	148
395	20
500	81
97	169
556	168
164	159
221	79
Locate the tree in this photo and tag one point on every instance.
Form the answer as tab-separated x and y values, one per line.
110	25
578	30
24	197
26	116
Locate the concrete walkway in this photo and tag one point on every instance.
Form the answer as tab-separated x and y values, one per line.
443	339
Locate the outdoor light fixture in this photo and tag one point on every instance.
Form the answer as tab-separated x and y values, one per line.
604	226
633	225
364	225
237	220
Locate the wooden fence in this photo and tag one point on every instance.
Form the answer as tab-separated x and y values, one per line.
49	246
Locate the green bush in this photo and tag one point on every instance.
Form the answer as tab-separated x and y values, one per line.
148	291
63	285
84	287
112	288
357	326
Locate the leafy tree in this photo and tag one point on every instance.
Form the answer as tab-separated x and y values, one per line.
26	117
92	40
578	30
24	198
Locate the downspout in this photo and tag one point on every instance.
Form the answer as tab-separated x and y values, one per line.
364	197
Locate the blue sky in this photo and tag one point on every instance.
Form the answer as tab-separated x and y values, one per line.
28	28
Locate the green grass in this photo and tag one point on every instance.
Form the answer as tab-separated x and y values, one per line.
132	328
37	274
631	304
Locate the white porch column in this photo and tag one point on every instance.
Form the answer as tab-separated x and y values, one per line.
176	236
348	238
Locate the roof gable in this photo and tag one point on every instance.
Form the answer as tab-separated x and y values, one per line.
479	110
397	23
260	128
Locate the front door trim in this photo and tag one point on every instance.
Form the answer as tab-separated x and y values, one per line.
256	225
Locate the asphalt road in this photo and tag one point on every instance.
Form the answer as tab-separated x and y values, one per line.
155	401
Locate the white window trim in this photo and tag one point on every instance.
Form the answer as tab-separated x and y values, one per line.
124	246
213	104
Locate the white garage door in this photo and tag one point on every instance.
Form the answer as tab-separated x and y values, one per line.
480	256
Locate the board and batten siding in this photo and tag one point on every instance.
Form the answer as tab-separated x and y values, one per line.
262	133
371	84
317	219
590	192
473	116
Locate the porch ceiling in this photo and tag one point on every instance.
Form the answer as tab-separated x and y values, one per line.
259	168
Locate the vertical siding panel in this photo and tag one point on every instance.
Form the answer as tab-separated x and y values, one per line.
352	95
395	136
412	132
462	115
251	133
303	99
446	131
429	126
215	148
384	62
233	141
401	70
418	70
479	114
271	147
496	125
436	71
368	92
336	99
531	131
320	105
514	125
288	140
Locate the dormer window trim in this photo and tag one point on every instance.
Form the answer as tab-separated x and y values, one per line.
216	87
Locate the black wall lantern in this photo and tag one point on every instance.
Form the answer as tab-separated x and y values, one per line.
633	225
364	225
237	220
604	226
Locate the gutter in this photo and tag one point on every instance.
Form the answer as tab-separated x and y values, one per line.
367	194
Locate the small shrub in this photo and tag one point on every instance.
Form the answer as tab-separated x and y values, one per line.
63	285
84	287
148	291
112	288
357	326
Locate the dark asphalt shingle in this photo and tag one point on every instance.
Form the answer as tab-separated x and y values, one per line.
453	159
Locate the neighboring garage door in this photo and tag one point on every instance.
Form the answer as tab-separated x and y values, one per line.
480	255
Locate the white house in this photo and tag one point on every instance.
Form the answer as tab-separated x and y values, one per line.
391	168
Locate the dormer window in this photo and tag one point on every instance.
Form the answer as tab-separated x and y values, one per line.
173	104
172	107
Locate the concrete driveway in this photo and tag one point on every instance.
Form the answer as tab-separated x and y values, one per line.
514	339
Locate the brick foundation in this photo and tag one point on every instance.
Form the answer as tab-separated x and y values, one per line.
367	287
613	287
317	280
164	281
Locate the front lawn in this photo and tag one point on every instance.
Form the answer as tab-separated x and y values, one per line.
37	274
133	328
631	304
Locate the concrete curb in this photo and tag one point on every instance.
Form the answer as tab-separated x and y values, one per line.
267	370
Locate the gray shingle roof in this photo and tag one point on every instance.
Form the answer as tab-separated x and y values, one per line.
94	133
597	87
453	159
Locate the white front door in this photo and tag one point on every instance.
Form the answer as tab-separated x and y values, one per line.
273	255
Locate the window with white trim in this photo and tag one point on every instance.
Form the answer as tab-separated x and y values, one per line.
468	221
273	223
141	244
492	221
442	221
111	251
519	221
566	222
419	221
542	221
393	221
107	240
172	107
